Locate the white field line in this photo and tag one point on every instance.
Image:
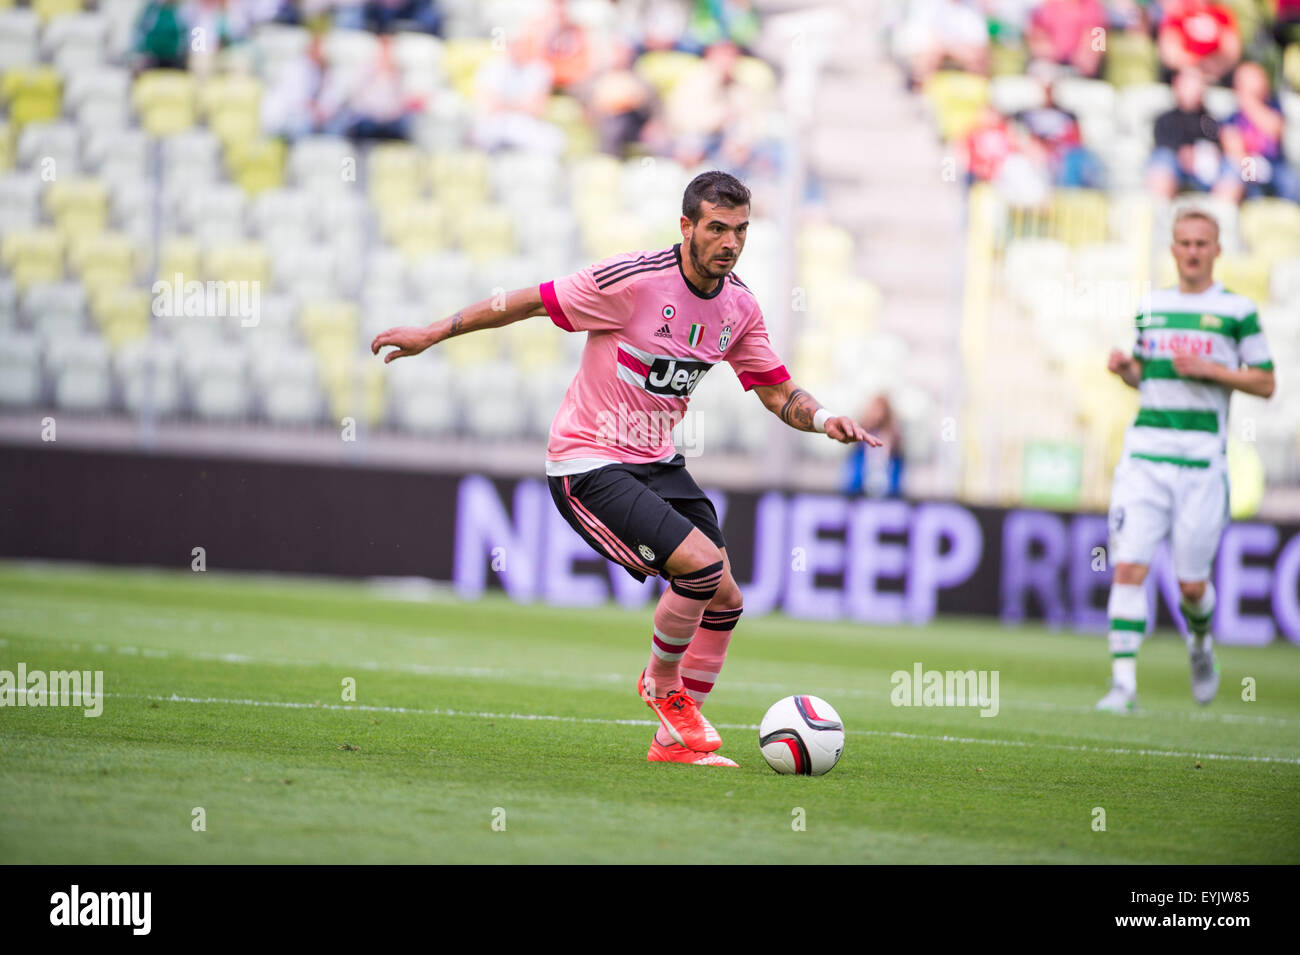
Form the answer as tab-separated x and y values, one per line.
587	720
569	678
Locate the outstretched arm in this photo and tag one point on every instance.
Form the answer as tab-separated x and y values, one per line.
1253	381
799	410
489	313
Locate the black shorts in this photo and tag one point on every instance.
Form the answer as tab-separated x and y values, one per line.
636	514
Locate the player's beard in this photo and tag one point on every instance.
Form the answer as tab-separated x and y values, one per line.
702	265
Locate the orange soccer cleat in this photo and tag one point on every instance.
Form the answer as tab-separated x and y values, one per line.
681	717
672	753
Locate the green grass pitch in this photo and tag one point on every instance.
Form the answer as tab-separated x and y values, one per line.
226	693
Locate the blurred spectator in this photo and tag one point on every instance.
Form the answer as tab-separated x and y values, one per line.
162	36
562	43
384	16
1286	25
987	146
703	103
1252	142
938	32
213	26
370	103
1054	141
621	103
289	107
1199	34
877	472
511	95
659	25
1187	152
1066	32
715	21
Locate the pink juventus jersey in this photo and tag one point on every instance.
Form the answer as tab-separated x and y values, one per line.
651	337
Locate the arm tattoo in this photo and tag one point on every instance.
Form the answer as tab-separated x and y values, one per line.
798	410
455	324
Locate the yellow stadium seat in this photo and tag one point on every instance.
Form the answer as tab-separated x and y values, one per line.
77	206
599	175
34	95
461	172
534	347
849	306
419	223
1291	65
230	91
237	262
570	116
664	69
957	99
488	232
470	350
165	101
1245	480
257	164
1131	59
1270	228
826	248
41	243
1007	59
755	74
178	256
1078	216
103	252
356	387
330	320
461	59
607	237
396	172
235	125
47	10
1246	275
100	288
125	316
36	270
20	81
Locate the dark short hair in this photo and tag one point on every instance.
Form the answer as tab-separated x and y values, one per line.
718	187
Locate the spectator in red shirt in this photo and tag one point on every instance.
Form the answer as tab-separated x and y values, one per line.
987	146
1199	34
1069	32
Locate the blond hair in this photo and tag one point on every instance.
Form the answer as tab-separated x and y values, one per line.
1191	212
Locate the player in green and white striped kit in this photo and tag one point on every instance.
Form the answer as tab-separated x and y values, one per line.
1195	344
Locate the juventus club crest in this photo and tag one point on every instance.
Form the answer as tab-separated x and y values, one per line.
725	338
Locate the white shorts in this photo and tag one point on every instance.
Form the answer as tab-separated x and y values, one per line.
1152	500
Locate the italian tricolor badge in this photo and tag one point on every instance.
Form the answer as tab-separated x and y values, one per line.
697	332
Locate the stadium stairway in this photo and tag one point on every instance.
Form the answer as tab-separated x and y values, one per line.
886	176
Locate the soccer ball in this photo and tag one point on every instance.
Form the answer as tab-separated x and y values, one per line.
802	736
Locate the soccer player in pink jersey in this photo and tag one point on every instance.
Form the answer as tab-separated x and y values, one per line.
656	322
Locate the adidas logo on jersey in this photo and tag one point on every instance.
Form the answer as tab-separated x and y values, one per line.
664	332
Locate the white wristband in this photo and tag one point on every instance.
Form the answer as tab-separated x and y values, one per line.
820	419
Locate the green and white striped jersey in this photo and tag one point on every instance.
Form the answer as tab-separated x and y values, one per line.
1185	420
